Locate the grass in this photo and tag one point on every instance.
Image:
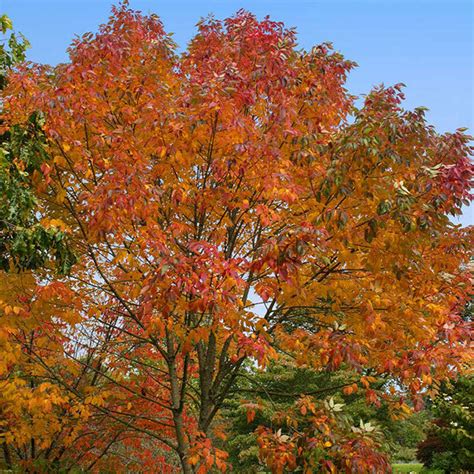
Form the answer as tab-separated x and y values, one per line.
406	468
413	467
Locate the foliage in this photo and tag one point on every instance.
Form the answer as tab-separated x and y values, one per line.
448	445
225	206
12	48
267	398
25	242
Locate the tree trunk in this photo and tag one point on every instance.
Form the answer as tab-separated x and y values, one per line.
177	407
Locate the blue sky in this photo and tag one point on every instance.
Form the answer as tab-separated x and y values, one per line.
426	44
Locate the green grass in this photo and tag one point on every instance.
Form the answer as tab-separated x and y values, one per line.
413	467
406	468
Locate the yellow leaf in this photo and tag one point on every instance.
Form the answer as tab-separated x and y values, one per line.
122	256
59	160
60	196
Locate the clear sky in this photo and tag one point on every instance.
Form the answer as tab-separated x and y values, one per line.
426	44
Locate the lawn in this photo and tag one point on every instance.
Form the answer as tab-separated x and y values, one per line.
415	467
406	468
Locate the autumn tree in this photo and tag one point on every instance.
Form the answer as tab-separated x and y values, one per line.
225	205
44	425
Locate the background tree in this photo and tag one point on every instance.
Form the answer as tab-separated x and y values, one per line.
267	398
448	444
212	196
24	242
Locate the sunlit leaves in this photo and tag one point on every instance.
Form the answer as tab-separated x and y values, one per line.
224	207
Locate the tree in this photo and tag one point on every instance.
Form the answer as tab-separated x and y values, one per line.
449	440
27	403
25	243
43	427
223	208
450	436
272	397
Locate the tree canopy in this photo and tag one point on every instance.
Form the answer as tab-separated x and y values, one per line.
180	216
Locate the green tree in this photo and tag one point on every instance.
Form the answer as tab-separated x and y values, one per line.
450	437
448	445
25	243
12	48
263	396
